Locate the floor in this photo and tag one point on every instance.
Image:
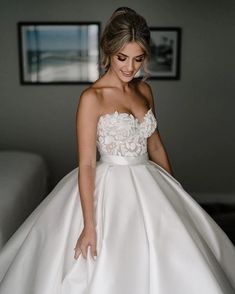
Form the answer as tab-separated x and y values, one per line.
224	215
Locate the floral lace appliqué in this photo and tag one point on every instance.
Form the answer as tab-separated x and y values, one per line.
123	134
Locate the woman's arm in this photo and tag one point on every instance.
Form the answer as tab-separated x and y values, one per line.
86	125
159	154
156	149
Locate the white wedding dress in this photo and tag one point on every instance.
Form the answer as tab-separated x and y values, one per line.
152	236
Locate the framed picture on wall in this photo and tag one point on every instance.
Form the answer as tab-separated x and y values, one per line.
165	45
58	52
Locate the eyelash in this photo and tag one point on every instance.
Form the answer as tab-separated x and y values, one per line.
125	59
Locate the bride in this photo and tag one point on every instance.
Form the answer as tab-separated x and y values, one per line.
116	90
124	224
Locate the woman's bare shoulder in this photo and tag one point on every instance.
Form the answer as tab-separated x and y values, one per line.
89	107
145	89
142	85
89	93
89	98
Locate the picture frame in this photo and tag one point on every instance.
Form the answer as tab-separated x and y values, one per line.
58	52
165	60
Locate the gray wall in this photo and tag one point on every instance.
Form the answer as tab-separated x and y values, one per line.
195	114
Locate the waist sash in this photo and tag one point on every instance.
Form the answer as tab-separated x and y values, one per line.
125	160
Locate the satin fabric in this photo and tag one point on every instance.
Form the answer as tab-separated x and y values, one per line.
152	238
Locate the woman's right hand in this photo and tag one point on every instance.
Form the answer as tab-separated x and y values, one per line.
87	238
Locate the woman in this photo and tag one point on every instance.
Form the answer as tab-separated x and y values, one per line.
116	90
127	226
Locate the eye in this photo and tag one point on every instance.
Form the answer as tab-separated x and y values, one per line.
139	60
121	59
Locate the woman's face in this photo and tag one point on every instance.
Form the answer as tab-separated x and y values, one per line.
126	62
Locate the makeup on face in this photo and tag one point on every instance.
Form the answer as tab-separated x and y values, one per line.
127	62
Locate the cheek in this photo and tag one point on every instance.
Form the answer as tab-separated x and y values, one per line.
116	64
138	65
119	65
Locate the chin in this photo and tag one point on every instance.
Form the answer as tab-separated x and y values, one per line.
127	79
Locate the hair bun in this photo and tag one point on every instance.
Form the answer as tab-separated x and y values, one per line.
124	10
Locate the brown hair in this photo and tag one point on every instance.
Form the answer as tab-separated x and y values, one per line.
124	26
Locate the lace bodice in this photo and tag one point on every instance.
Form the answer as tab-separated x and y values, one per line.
123	134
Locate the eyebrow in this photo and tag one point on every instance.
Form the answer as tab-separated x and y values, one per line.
135	56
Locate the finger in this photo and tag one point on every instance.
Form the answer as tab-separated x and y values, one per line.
77	253
84	251
93	251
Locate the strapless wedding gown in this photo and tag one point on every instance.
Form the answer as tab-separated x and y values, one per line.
152	236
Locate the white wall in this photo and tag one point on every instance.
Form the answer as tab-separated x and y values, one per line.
195	114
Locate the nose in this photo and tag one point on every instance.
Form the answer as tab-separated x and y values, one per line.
130	66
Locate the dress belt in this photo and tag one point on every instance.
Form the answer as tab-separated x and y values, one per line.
124	160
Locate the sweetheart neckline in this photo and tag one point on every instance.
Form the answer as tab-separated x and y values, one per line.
125	113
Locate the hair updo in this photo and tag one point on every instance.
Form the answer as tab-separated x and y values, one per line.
124	26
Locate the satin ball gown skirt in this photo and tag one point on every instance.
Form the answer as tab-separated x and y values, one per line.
152	238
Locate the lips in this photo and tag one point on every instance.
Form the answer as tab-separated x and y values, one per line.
127	74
